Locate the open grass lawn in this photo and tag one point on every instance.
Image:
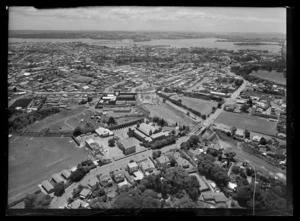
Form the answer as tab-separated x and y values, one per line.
170	114
274	76
32	160
250	123
203	106
53	119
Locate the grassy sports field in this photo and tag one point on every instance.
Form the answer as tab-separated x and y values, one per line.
170	114
203	106
32	160
274	76
251	123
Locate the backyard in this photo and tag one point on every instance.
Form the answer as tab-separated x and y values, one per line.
32	160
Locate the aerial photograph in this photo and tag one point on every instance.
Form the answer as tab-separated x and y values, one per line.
129	107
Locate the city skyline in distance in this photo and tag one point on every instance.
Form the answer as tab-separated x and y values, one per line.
150	19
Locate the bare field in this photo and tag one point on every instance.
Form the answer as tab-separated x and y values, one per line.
203	106
250	123
32	160
169	114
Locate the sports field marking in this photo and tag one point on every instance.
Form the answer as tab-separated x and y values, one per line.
50	164
50	149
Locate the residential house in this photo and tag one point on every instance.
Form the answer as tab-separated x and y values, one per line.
47	186
84	193
65	174
103	132
105	180
57	178
132	167
147	166
77	204
163	160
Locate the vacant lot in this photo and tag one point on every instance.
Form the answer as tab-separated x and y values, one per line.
170	114
250	123
32	160
203	106
274	76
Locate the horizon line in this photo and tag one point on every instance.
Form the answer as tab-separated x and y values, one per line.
150	31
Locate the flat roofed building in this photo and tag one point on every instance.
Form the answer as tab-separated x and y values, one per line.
126	146
47	186
142	137
132	167
91	143
57	178
159	135
66	174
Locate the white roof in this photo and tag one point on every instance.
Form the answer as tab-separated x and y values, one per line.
26	74
232	185
138	175
132	165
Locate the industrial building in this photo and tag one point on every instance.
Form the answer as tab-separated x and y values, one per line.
126	146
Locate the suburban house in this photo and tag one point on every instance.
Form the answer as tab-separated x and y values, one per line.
65	174
84	193
180	161
118	176
256	138
203	186
103	132
105	180
128	177
47	186
132	167
138	175
126	146
77	204
93	182
239	133
57	178
163	160
147	166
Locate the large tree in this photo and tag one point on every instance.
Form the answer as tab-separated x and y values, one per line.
39	201
247	134
59	189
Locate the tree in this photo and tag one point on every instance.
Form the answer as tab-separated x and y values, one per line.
213	109
233	130
244	107
77	131
111	142
59	189
156	154
219	105
247	134
138	125
203	116
39	201
263	141
250	102
194	139
230	155
29	201
185	202
111	120
89	99
150	133
243	195
77	175
184	146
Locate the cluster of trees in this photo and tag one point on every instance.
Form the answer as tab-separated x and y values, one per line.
59	189
174	182
274	198
207	168
18	119
111	142
192	142
87	128
161	143
160	121
37	201
156	154
82	170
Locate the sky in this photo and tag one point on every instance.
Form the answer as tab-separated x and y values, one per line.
199	19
